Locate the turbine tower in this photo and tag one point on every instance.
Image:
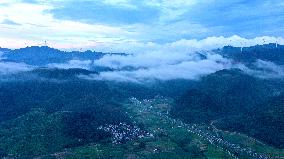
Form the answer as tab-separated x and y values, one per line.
230	44
263	41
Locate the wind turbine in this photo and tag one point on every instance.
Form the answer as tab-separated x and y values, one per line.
263	41
245	44
276	43
230	43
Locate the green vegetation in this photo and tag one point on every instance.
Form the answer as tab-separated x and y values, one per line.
49	116
265	122
237	102
33	134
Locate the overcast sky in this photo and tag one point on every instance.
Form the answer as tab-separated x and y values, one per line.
103	23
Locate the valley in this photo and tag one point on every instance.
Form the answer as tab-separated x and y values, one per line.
69	111
166	137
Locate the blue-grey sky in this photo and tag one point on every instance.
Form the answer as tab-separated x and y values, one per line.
97	23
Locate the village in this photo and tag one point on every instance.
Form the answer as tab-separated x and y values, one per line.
123	132
160	108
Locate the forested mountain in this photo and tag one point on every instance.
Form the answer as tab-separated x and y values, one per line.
239	98
55	110
267	52
265	122
41	56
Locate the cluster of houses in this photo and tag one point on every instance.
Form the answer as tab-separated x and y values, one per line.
123	132
217	140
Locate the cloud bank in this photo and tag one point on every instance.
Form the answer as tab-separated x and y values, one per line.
12	67
86	64
183	59
190	68
187	45
265	69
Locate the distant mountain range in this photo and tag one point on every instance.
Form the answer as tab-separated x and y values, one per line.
268	52
43	55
